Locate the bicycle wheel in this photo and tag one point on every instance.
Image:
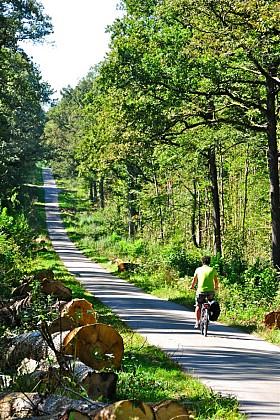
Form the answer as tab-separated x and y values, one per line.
202	320
205	321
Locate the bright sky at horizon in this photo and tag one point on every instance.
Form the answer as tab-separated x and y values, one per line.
80	40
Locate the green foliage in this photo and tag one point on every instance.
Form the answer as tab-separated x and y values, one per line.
15	246
183	260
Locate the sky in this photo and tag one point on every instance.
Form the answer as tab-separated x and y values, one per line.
79	39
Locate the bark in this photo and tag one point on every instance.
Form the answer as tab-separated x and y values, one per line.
30	345
272	319
245	200
98	346
55	287
62	324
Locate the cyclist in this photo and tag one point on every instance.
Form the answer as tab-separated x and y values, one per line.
207	282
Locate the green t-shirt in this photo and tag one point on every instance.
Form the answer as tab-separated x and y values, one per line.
205	278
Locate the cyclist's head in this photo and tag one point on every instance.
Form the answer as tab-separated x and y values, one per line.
206	260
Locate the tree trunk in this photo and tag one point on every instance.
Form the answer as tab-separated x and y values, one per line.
193	219
216	201
132	213
273	170
92	191
101	194
160	209
245	200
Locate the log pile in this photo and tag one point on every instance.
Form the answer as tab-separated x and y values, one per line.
77	347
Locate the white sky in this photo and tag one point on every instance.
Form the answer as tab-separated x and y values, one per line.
80	40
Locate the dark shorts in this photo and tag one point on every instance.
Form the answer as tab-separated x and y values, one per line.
200	297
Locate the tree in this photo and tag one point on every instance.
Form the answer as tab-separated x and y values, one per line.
22	20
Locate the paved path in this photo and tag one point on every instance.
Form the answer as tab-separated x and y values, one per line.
229	361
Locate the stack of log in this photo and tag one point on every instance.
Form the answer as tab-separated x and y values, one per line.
88	352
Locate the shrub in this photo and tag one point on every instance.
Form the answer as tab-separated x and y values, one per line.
183	260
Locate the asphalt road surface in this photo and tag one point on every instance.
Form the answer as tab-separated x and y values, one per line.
227	360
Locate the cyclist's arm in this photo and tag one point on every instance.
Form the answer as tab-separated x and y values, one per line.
193	282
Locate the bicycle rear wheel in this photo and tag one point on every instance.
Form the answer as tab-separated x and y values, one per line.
206	321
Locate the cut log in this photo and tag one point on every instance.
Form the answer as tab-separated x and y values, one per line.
126	409
99	346
126	266
49	286
96	384
30	346
44	274
81	311
167	410
22	290
272	319
56	288
24	405
62	324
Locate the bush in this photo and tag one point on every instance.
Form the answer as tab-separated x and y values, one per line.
261	282
183	260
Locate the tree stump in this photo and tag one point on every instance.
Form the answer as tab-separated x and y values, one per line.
99	346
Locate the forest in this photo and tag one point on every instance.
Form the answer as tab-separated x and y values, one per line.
165	151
